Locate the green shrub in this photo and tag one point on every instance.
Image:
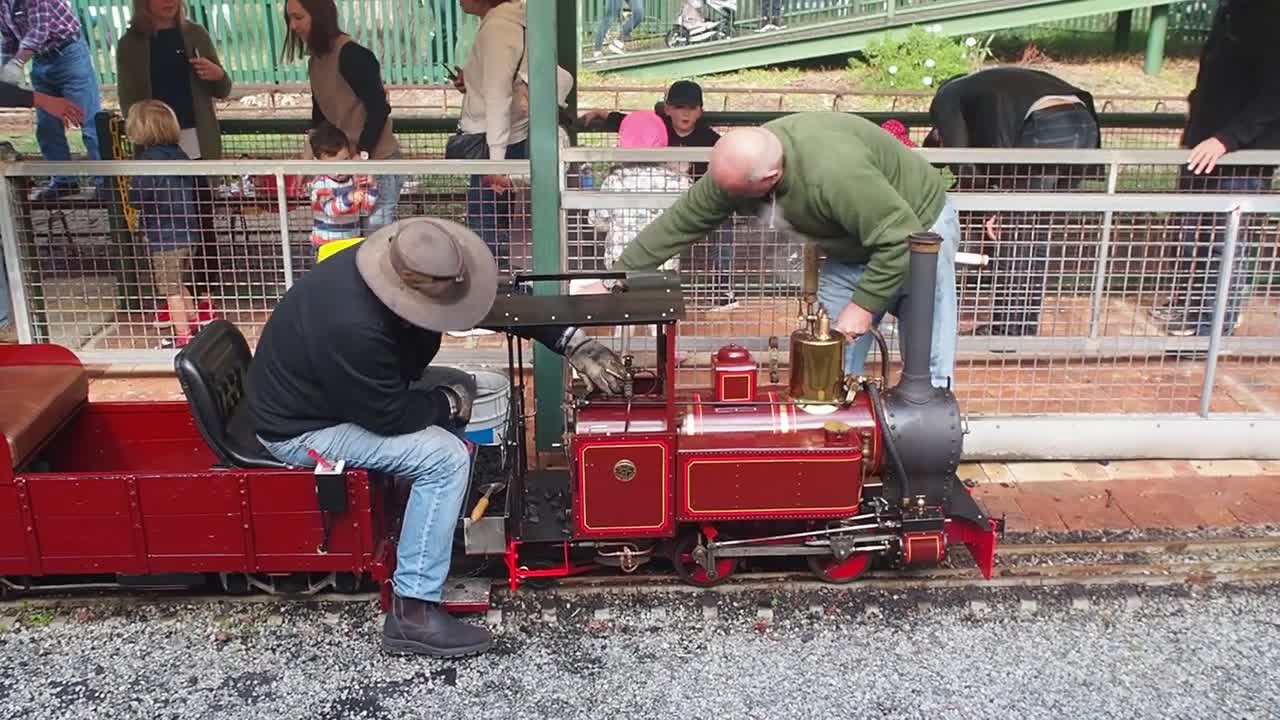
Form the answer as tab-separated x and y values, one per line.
919	60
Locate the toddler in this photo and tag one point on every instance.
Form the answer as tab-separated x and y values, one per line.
337	201
163	203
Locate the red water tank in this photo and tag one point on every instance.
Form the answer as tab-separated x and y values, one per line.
735	374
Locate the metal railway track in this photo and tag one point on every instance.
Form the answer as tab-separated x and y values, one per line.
1163	570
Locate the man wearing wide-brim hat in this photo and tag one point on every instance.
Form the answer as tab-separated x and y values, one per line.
339	370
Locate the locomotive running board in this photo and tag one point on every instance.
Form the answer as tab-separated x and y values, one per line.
467	594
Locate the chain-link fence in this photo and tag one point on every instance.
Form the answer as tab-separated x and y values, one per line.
1159	298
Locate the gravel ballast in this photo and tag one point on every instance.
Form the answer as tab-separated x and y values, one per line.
1116	652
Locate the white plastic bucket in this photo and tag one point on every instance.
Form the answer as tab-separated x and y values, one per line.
491	409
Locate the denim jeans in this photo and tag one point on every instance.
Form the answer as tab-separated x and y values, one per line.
384	212
6	307
1022	256
434	459
66	73
1202	241
612	9
837	282
490	215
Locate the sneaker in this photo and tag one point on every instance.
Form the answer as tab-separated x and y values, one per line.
596	54
727	301
424	628
162	319
617	48
205	313
766	27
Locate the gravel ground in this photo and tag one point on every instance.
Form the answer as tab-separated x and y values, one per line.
1177	652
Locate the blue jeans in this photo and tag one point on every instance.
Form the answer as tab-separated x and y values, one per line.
384	212
612	9
837	282
1202	242
5	307
1023	252
66	73
490	214
434	459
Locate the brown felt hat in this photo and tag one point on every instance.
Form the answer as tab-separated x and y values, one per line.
434	273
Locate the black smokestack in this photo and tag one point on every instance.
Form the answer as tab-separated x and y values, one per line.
916	319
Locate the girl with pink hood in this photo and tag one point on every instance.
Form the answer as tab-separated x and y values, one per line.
639	130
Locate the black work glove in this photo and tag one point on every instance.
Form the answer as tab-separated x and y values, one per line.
599	365
460	402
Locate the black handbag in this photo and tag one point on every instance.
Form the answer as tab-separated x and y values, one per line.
467	146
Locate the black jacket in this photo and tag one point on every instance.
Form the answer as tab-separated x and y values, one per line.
332	353
987	109
1237	94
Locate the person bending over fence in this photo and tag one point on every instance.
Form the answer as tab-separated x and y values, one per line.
163	203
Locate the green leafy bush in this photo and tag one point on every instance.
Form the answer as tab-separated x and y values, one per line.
920	60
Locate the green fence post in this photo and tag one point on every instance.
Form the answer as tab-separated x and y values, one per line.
544	154
1155	38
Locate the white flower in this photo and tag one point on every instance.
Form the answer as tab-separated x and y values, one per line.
929	63
928	80
893	69
970	41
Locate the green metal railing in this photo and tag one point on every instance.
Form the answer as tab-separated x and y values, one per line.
418	40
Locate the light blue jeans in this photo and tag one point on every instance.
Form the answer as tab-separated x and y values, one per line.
837	282
384	212
66	73
434	459
5	306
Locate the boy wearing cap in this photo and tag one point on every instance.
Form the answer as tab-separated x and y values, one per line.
681	111
340	371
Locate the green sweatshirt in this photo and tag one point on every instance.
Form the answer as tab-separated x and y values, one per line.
846	184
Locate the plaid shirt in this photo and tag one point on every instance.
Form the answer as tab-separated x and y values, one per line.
36	25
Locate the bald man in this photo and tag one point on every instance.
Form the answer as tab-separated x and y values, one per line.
839	181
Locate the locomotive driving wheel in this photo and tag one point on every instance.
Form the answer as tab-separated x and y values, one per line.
684	557
831	569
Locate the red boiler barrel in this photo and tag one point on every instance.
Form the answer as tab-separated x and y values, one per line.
777	414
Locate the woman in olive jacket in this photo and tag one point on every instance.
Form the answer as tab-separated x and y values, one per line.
163	56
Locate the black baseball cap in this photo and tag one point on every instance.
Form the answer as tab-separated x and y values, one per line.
684	93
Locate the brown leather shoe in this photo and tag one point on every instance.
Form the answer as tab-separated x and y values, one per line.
422	628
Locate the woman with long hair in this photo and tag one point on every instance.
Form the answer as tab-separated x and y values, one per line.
164	56
346	91
494	124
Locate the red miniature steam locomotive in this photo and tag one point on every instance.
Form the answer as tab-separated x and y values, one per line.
837	471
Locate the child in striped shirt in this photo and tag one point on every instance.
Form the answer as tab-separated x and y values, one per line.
337	201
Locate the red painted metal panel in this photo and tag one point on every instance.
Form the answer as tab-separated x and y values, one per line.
194	535
99	537
213	492
623	486
78	495
144	437
13	544
736	484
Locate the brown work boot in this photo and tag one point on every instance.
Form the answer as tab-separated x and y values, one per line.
424	628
